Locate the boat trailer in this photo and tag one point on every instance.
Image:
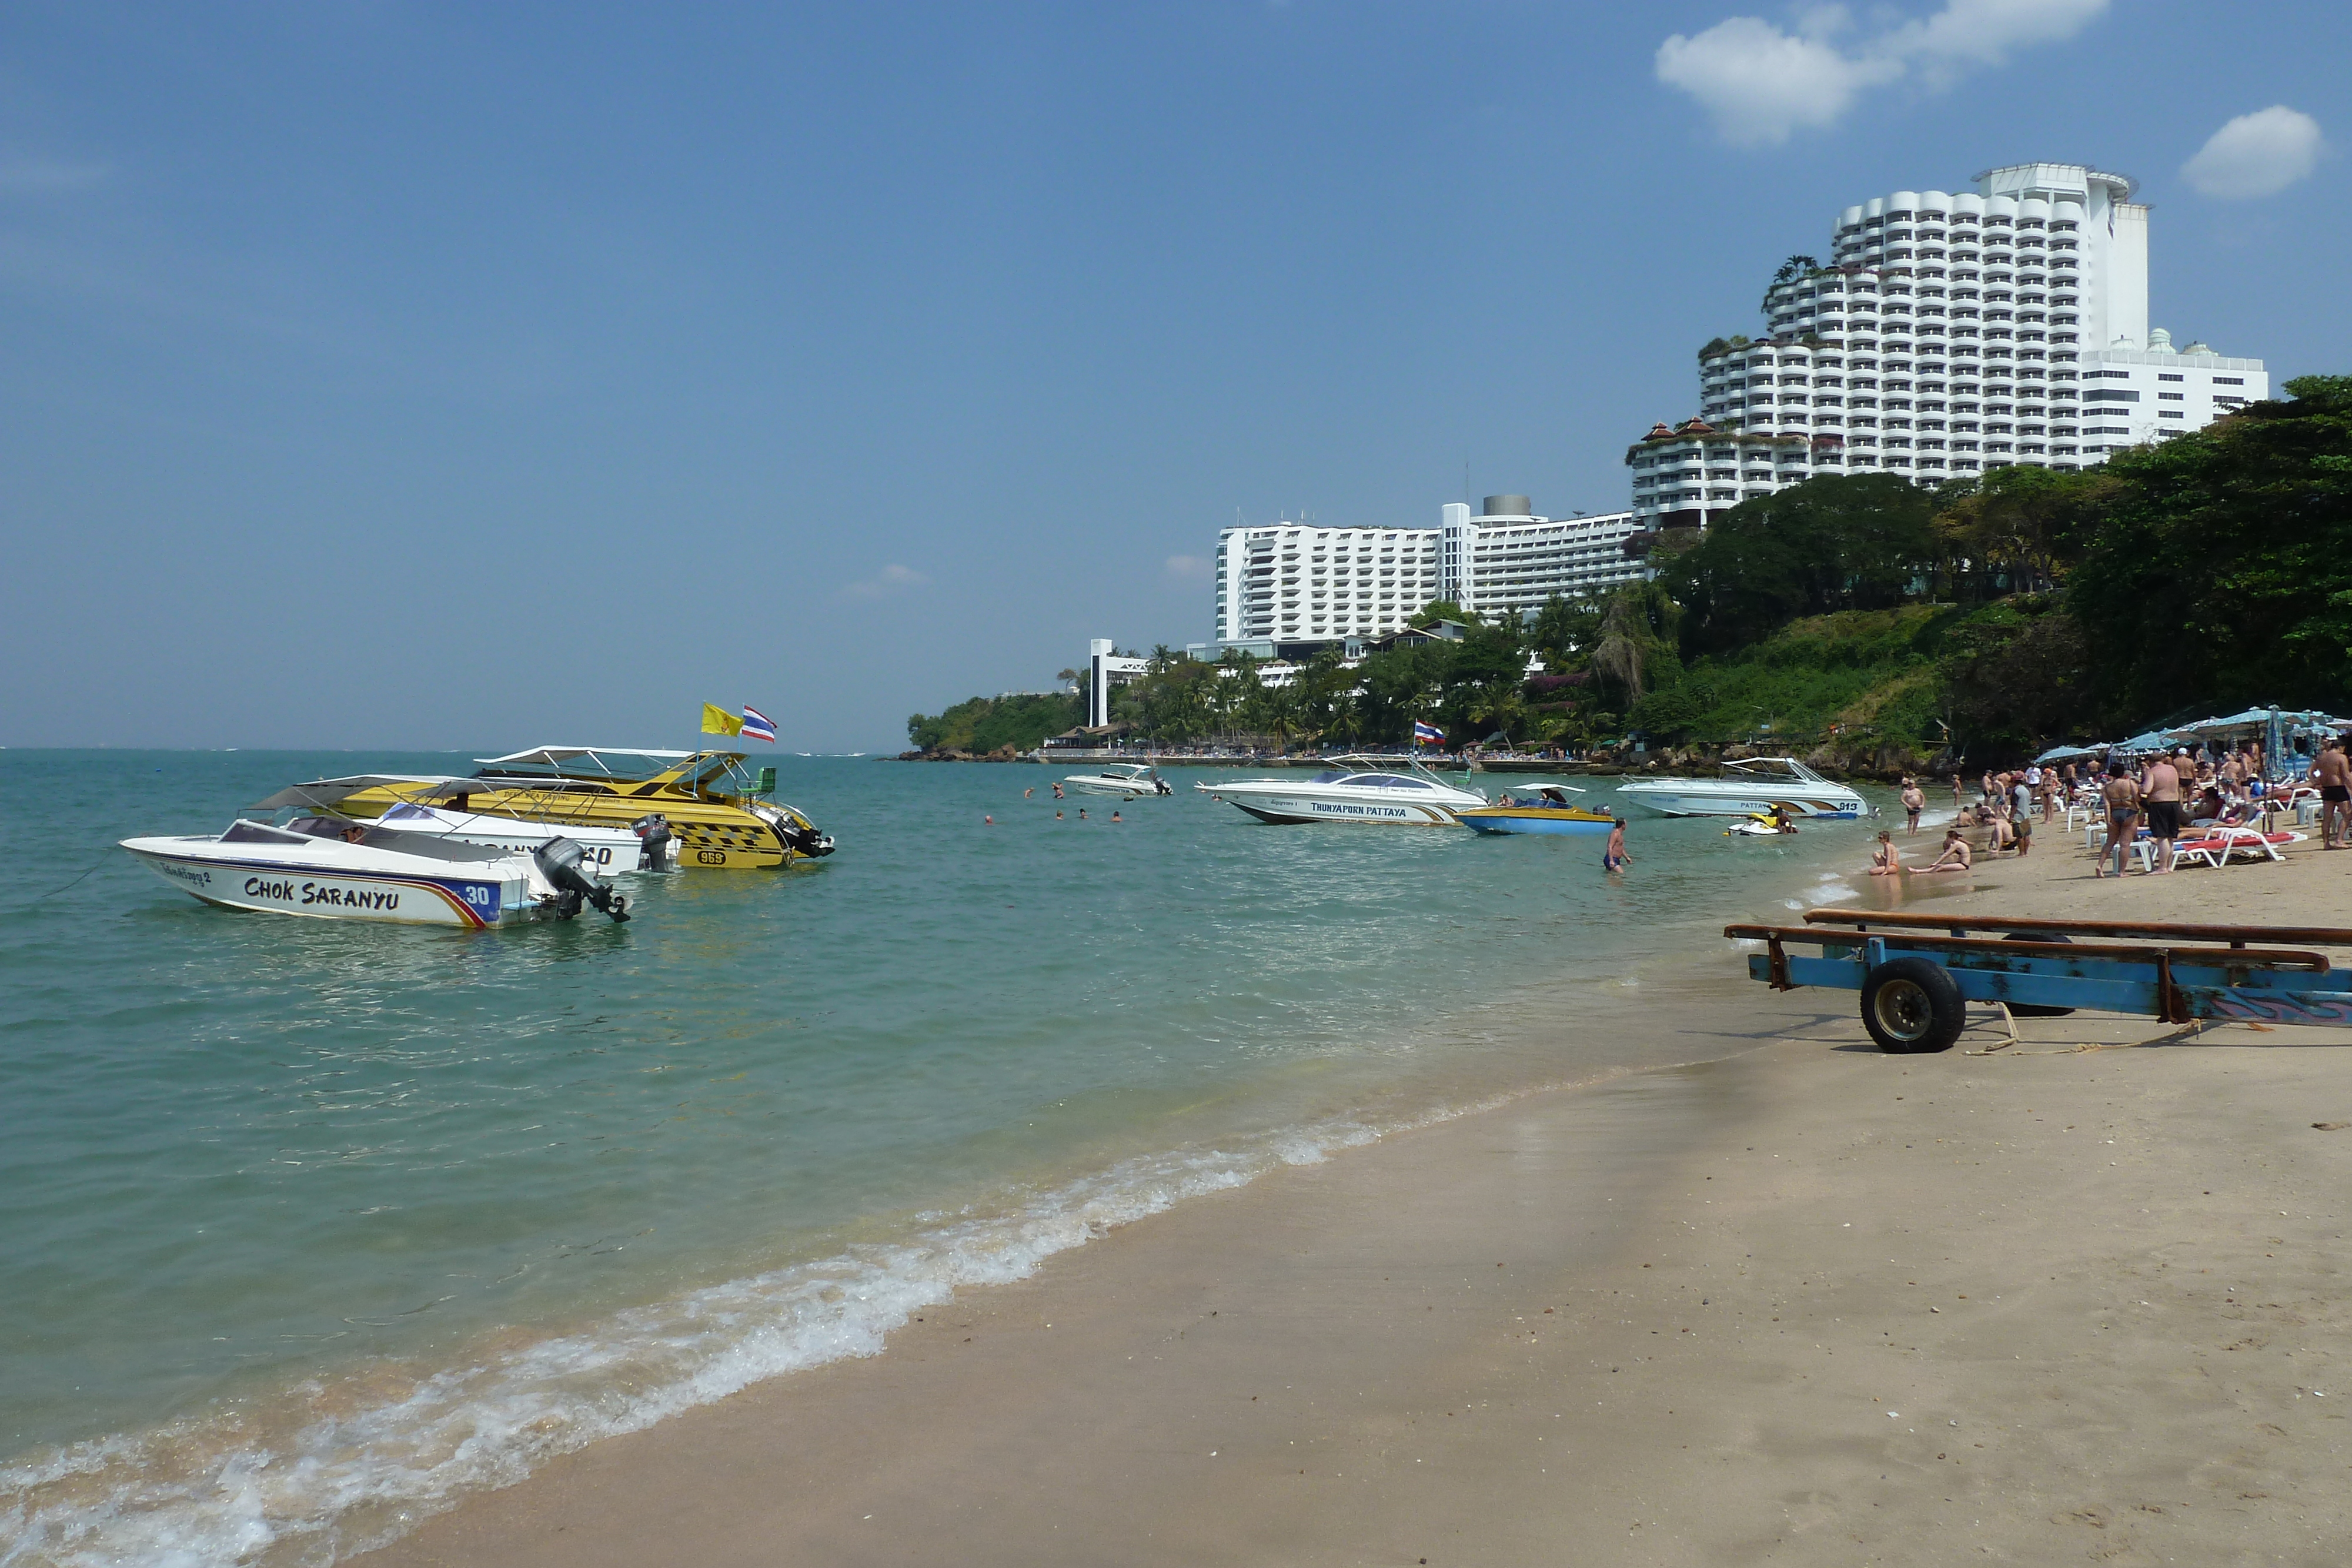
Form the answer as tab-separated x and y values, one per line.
1917	972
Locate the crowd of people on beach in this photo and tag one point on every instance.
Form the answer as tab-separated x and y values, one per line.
2189	790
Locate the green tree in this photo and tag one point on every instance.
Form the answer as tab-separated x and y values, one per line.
2010	532
2219	570
1837	542
1634	646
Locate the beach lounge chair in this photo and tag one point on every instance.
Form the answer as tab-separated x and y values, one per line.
2218	844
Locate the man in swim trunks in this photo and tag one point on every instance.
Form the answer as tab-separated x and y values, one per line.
2121	795
2333	773
2160	788
1915	802
1613	855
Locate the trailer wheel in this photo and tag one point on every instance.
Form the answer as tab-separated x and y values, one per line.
1912	1005
2036	1009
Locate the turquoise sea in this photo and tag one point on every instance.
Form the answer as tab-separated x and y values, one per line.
310	1227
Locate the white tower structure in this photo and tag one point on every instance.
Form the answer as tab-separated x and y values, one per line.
1946	335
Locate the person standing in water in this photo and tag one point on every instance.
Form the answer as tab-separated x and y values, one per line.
1915	801
1613	857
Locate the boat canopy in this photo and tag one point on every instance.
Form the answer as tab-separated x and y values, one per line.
637	764
322	792
557	755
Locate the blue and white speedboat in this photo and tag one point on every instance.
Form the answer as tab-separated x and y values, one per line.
342	870
1545	808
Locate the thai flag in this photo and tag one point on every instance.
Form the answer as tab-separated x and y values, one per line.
758	725
1424	733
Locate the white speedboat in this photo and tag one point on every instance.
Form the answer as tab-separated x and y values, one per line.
355	870
1126	779
1759	784
1394	794
646	844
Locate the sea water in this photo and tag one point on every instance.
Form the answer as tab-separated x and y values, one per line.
308	1228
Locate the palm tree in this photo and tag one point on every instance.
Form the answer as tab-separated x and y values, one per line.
1618	653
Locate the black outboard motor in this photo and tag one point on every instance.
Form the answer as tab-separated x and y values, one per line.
654	832
559	861
804	840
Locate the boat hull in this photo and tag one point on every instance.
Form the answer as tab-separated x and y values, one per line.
606	852
1105	787
1298	808
1534	820
1832	805
285	887
712	834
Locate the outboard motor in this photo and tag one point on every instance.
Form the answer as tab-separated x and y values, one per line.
559	861
803	839
653	832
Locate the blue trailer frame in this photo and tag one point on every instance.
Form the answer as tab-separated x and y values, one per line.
2179	974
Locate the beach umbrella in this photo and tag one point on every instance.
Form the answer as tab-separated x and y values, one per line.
2153	740
2252	715
2067	753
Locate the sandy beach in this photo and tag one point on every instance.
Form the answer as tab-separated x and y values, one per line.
1803	1302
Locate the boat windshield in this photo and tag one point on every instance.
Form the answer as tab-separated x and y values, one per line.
1776	768
245	832
1387	782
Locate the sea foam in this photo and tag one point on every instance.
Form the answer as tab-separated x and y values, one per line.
336	1468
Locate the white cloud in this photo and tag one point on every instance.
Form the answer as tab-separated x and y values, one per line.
2257	154
1983	32
1187	568
892	579
1761	83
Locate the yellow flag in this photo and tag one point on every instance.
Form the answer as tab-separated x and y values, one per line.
716	720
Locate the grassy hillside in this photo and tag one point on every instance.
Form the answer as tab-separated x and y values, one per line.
1861	679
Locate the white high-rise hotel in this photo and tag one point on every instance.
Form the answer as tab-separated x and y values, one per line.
1947	335
1291	583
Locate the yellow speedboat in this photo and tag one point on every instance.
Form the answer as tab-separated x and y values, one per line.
715	827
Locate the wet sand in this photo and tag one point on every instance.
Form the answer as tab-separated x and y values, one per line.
1804	1303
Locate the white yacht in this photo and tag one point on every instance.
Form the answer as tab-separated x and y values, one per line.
1359	789
1125	779
1758	784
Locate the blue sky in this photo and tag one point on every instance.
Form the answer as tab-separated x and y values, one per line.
481	376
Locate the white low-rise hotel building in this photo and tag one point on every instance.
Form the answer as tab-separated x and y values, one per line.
1947	334
1293	583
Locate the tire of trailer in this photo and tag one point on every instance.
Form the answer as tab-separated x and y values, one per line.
1912	1006
2037	1010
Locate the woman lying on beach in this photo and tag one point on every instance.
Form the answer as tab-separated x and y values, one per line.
1956	855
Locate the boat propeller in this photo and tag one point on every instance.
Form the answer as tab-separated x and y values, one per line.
559	861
